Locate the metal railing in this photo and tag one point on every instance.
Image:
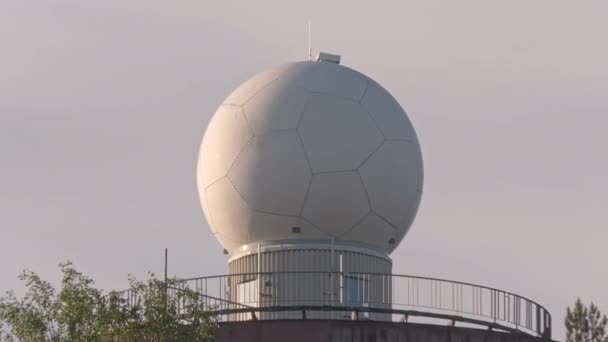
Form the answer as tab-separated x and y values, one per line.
373	296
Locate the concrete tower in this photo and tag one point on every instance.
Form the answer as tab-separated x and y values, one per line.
309	167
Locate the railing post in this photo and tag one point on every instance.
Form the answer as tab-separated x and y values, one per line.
492	305
547	330
538	331
347	287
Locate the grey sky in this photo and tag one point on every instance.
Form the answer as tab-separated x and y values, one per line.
103	105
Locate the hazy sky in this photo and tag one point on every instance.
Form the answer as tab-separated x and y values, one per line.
103	105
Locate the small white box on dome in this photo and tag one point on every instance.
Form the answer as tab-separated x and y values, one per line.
328	57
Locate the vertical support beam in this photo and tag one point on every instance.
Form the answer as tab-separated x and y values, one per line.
166	263
257	296
331	276
309	42
341	279
166	278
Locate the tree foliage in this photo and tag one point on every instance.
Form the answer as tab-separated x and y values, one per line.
585	324
149	310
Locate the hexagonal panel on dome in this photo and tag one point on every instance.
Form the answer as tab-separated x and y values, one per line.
272	173
336	202
276	107
227	134
266	227
230	215
374	230
392	176
248	88
387	113
337	134
326	78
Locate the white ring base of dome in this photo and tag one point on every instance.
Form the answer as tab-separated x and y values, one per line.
309	244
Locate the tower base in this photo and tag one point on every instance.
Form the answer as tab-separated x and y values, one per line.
357	331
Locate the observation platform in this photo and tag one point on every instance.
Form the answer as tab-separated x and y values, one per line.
341	306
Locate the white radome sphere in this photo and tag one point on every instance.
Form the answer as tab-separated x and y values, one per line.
313	145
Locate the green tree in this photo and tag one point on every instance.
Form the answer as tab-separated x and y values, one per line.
33	317
149	310
159	306
585	324
597	324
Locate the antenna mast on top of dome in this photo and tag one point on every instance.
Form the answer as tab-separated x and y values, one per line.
309	43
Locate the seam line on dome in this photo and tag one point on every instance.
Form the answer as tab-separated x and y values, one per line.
356	223
273	213
369	200
271	131
403	140
230	104
213	183
259	90
251	136
250	221
309	169
336	171
239	193
371	117
291	216
385	220
370	155
238	155
247	121
305	198
305	152
313	225
364	92
305	107
306	195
